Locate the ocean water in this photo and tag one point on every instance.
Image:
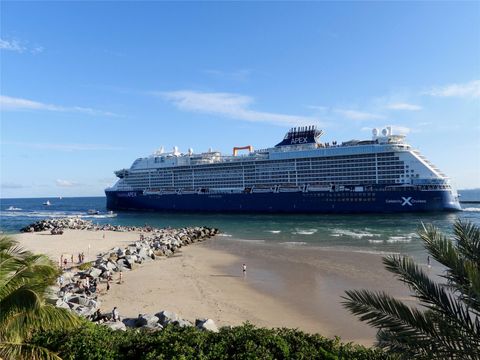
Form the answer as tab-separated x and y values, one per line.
365	233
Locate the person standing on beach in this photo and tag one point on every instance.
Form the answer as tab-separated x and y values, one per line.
65	263
108	285
244	268
120	277
115	314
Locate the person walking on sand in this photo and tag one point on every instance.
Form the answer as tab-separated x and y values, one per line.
120	277
244	268
65	261
108	285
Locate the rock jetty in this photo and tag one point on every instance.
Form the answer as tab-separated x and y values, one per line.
76	223
77	287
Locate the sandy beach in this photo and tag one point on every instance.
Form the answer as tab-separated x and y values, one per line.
284	286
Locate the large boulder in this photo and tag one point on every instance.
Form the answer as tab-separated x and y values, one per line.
115	325
146	320
167	317
206	324
94	272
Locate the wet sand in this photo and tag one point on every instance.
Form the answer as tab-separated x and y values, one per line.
284	286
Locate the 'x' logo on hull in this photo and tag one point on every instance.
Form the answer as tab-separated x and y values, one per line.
406	201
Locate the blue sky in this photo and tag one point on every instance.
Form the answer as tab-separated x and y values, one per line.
87	87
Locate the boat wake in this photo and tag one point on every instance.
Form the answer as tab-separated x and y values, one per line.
13	208
472	209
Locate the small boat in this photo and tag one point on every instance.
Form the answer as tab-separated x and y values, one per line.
47	203
93	212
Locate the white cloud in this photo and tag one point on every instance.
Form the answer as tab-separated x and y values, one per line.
8	103
11	45
403	106
358	115
19	47
65	183
230	105
62	147
466	90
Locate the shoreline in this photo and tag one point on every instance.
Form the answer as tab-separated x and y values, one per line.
285	286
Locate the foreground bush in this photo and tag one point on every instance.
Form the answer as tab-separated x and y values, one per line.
243	342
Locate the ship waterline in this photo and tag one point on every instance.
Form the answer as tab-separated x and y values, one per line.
300	174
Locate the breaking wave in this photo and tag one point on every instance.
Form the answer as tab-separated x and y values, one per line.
472	209
305	231
274	231
354	234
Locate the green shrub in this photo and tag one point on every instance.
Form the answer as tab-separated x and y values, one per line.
85	266
92	342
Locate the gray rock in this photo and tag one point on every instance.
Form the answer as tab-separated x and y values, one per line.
129	322
146	319
206	324
115	325
183	323
94	272
167	317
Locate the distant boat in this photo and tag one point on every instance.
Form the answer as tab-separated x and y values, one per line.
13	208
93	212
47	203
60	198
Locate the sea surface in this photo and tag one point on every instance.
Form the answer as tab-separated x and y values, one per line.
365	233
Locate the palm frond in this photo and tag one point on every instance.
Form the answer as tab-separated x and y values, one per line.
20	351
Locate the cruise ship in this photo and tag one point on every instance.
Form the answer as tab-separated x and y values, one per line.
301	174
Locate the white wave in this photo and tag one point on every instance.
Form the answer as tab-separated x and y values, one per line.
305	232
294	243
399	239
274	231
472	209
13	208
375	241
224	235
99	216
355	234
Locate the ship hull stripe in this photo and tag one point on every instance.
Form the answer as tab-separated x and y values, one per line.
288	202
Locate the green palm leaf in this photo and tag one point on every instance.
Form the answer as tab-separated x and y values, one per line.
25	279
446	324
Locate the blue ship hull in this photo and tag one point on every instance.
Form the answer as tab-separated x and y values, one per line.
333	202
